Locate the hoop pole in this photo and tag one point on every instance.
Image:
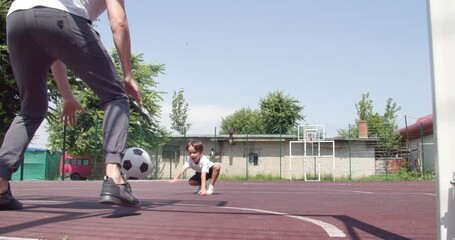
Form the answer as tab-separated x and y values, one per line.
442	41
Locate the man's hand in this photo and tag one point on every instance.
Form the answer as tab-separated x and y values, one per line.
132	89
69	111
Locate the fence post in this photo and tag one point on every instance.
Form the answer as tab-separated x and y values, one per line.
246	153
171	161
423	150
156	155
214	147
64	150
184	151
350	153
280	150
140	134
386	156
95	165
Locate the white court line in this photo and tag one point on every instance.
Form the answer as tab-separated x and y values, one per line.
15	238
45	201
362	192
330	229
429	194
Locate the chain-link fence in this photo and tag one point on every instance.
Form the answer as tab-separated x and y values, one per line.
289	156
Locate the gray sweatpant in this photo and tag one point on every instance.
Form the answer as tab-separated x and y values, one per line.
36	38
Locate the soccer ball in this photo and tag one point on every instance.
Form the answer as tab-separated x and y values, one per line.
136	163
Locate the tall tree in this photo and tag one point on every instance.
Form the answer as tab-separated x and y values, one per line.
243	121
86	138
179	113
280	113
364	112
386	129
364	107
381	126
9	95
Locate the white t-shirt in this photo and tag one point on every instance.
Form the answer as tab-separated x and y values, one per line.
204	164
89	9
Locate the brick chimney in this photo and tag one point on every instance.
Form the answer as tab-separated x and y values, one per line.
363	129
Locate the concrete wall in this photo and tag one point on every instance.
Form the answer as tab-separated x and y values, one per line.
423	157
273	158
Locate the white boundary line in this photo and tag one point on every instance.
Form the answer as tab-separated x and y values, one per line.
16	238
330	229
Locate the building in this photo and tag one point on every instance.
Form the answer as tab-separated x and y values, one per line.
244	156
419	140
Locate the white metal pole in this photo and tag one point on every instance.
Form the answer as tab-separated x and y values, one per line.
442	47
304	155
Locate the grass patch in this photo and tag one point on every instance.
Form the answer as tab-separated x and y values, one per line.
402	175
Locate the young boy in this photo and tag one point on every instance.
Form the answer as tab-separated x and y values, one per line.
205	169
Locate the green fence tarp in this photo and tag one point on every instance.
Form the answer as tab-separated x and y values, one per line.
39	165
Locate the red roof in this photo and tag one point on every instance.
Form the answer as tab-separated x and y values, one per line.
422	127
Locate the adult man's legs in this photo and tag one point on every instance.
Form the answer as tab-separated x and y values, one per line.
89	60
30	65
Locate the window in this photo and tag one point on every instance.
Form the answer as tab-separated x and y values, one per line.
82	162
69	161
253	158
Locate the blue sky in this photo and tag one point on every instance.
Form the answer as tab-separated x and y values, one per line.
227	55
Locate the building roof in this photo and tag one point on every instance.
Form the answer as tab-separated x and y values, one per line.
259	137
422	127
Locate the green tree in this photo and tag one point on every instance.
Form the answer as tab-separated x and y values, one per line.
9	95
364	112
364	107
243	121
385	128
380	126
280	113
86	137
179	113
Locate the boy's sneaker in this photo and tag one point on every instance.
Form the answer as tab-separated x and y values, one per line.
118	194
8	202
210	189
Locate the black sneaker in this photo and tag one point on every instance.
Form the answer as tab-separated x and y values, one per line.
8	202
118	194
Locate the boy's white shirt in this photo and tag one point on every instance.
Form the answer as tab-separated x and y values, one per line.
203	166
89	9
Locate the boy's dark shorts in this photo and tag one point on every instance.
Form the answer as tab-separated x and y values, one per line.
197	176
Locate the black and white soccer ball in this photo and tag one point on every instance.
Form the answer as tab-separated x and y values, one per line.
136	163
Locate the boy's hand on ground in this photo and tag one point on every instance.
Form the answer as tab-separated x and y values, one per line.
173	181
203	192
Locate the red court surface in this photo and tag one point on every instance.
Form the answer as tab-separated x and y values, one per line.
237	210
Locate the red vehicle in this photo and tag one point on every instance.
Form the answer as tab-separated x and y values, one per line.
77	168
